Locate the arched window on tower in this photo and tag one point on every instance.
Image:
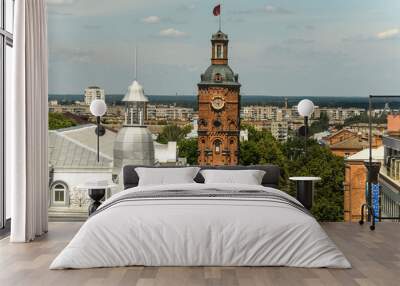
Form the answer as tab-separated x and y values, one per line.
217	146
220	51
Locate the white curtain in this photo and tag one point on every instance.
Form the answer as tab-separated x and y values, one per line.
26	115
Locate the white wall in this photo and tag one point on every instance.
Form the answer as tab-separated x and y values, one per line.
165	153
74	179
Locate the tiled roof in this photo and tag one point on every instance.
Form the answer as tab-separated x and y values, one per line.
351	143
340	131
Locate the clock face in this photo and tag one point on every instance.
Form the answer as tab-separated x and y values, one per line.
218	103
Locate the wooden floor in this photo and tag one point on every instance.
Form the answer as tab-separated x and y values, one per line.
375	257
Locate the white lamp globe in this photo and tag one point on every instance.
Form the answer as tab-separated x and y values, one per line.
305	107
98	107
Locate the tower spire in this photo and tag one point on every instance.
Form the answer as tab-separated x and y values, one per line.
135	63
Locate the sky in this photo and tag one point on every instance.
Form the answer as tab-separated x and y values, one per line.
282	48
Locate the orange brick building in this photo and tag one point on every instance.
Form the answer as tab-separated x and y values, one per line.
219	108
393	126
345	143
355	180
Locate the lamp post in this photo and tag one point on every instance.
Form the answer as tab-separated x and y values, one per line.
305	109
98	108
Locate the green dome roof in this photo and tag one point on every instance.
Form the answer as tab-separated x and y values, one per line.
219	74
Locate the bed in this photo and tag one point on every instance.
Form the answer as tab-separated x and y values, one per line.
201	224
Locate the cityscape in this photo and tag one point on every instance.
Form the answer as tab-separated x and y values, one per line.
200	142
343	130
219	127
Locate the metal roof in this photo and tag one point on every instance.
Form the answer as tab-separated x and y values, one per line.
77	148
135	93
225	72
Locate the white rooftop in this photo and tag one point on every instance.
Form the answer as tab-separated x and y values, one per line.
377	154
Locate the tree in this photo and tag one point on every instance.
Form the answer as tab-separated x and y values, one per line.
320	125
173	133
187	148
58	121
262	148
364	118
320	162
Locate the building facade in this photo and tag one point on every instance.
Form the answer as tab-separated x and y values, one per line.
355	182
92	93
72	163
158	112
280	130
219	108
389	176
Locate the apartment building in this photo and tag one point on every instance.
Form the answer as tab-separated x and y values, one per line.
260	113
92	93
280	130
169	112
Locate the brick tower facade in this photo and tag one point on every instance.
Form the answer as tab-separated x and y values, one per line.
219	108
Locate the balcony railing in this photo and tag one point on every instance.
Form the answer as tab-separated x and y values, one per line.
390	196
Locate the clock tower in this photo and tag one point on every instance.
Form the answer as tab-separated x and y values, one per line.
219	108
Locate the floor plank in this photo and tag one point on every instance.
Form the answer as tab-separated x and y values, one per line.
375	257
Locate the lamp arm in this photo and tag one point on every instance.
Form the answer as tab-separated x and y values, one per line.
98	138
305	135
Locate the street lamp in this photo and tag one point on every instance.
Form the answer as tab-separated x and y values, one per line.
98	108
305	109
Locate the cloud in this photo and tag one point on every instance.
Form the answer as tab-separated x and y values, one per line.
92	27
171	32
299	41
119	8
60	2
269	9
389	34
76	54
187	7
151	20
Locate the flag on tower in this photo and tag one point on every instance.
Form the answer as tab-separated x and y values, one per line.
217	10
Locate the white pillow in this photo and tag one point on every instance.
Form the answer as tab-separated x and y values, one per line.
166	176
248	177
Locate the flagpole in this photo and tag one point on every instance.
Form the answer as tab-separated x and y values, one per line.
220	11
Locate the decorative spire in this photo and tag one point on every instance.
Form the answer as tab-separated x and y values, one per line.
135	105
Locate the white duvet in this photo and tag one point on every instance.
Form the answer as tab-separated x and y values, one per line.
202	232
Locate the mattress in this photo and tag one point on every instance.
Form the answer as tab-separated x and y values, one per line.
201	225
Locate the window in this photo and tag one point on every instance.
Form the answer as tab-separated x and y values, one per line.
219	51
217	146
218	77
6	43
59	193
